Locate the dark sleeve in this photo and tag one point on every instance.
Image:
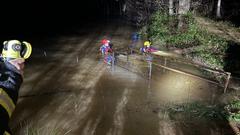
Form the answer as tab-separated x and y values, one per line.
4	119
111	45
10	80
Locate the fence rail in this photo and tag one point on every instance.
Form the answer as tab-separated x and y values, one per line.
175	59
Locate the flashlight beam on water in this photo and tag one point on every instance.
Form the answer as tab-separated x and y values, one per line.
185	73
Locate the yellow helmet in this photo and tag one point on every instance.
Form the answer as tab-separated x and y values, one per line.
13	49
147	43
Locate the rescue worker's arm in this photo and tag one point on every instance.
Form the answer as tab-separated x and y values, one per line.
10	82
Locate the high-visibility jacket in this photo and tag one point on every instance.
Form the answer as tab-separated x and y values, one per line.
10	82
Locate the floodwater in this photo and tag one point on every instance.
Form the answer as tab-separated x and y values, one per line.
67	90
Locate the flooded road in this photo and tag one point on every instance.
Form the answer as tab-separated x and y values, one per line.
67	90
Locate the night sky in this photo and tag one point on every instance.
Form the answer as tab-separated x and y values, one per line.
37	16
46	16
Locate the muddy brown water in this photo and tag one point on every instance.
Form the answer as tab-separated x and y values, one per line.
71	92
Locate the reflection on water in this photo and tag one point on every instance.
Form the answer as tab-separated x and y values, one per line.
143	108
167	89
173	87
101	101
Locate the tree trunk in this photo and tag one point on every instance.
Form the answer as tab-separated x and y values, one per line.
218	14
124	8
184	7
171	7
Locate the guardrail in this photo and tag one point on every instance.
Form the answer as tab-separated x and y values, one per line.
176	59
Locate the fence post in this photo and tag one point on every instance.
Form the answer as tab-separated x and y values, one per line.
149	60
165	64
227	82
77	59
150	70
131	49
113	61
45	53
128	65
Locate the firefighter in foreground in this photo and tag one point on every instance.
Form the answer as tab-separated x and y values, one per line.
12	60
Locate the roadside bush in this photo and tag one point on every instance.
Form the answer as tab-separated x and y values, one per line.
211	50
197	42
196	110
233	110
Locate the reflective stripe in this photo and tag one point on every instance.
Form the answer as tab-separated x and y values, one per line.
6	102
6	133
